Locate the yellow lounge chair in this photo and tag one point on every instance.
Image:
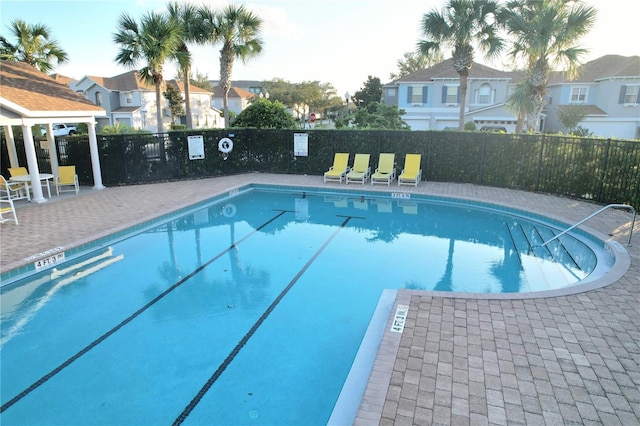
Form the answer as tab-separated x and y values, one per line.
360	171
386	172
412	173
14	190
339	169
6	209
67	177
18	171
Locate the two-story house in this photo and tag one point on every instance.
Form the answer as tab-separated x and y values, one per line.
238	99
608	92
128	99
431	97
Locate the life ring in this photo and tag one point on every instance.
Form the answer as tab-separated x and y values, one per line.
225	145
229	210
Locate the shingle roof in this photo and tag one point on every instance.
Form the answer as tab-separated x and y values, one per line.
445	69
587	109
25	86
131	81
234	92
608	66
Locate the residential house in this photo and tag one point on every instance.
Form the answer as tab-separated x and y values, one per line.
254	86
431	97
128	99
607	89
238	99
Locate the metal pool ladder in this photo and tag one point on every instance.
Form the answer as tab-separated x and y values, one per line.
620	206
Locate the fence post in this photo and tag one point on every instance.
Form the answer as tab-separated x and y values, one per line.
539	163
604	170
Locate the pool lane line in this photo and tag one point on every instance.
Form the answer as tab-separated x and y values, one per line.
100	339
216	375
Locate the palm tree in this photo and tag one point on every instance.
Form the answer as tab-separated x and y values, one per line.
151	43
33	45
546	33
460	25
186	17
520	101
238	29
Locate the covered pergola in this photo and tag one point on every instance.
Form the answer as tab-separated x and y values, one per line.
29	97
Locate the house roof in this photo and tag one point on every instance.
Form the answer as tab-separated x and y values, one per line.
131	81
608	66
63	79
29	92
587	109
234	92
445	69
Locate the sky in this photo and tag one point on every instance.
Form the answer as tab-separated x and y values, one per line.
340	42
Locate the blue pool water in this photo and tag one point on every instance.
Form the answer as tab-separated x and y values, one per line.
250	309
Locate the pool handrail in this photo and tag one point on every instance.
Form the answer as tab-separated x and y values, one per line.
621	206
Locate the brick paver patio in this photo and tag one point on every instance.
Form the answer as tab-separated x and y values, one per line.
572	359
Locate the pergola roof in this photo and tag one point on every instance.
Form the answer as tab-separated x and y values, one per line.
28	97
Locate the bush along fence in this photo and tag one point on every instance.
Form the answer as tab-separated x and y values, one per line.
602	170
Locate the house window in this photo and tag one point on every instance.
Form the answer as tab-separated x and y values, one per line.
484	94
99	98
417	95
129	97
629	94
391	92
450	94
578	95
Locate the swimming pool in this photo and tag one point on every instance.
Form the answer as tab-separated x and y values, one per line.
218	295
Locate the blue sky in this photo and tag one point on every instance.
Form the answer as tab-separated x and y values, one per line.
333	41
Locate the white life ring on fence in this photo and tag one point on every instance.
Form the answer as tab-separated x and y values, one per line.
225	145
229	210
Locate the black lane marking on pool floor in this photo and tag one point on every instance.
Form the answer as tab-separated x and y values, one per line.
196	399
100	339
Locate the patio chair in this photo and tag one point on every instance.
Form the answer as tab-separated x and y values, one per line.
412	173
6	206
386	172
339	169
67	177
14	190
18	171
360	171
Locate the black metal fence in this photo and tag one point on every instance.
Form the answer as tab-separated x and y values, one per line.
605	171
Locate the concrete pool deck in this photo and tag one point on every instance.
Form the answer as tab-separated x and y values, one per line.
571	359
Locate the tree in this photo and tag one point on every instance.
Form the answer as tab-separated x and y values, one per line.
370	93
546	33
415	61
520	102
176	102
33	45
202	81
238	29
376	115
265	114
151	43
460	25
571	115
185	16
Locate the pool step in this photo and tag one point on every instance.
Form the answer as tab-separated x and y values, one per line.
546	267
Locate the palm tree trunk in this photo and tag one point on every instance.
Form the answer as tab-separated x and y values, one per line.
464	77
159	106
186	74
226	66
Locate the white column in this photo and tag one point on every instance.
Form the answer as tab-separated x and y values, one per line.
95	156
11	147
32	164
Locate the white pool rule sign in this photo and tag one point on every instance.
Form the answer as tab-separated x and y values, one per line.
196	147
397	326
301	144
